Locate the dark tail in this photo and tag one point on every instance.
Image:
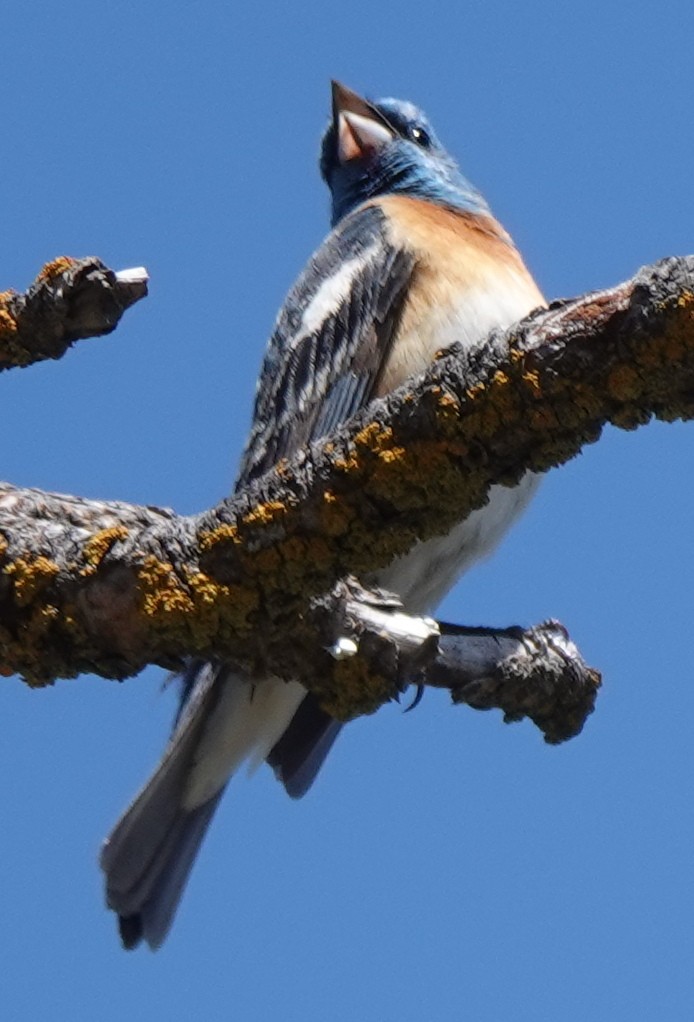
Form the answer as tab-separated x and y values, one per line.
148	856
157	892
300	753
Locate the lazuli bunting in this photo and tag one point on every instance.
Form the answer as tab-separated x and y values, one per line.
414	263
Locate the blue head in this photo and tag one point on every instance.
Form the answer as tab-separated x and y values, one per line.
386	148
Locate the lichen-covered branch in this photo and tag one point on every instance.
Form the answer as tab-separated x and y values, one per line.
108	588
69	300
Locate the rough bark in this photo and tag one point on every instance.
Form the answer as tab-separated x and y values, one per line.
108	587
70	299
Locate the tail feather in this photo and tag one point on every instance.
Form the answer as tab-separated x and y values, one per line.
149	854
160	888
300	753
223	721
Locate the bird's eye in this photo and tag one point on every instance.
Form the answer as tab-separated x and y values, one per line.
420	136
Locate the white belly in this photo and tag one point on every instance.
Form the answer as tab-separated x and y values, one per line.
424	575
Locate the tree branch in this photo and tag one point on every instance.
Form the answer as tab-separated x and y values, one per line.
69	300
109	587
536	673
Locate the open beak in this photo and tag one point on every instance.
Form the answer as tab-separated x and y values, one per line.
360	130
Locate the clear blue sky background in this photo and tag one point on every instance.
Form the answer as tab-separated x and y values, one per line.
445	866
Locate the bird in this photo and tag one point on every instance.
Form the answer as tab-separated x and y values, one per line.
414	262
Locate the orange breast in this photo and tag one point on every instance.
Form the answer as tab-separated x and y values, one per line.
469	280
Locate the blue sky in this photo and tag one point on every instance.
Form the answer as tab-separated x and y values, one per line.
445	866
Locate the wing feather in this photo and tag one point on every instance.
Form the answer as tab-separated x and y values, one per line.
330	340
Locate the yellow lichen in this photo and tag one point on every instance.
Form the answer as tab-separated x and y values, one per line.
35	655
205	588
263	514
282	468
532	379
220	534
30	576
347	465
161	589
98	545
392	455
56	267
448	405
473	392
374	437
220	609
196	605
35	651
8	324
